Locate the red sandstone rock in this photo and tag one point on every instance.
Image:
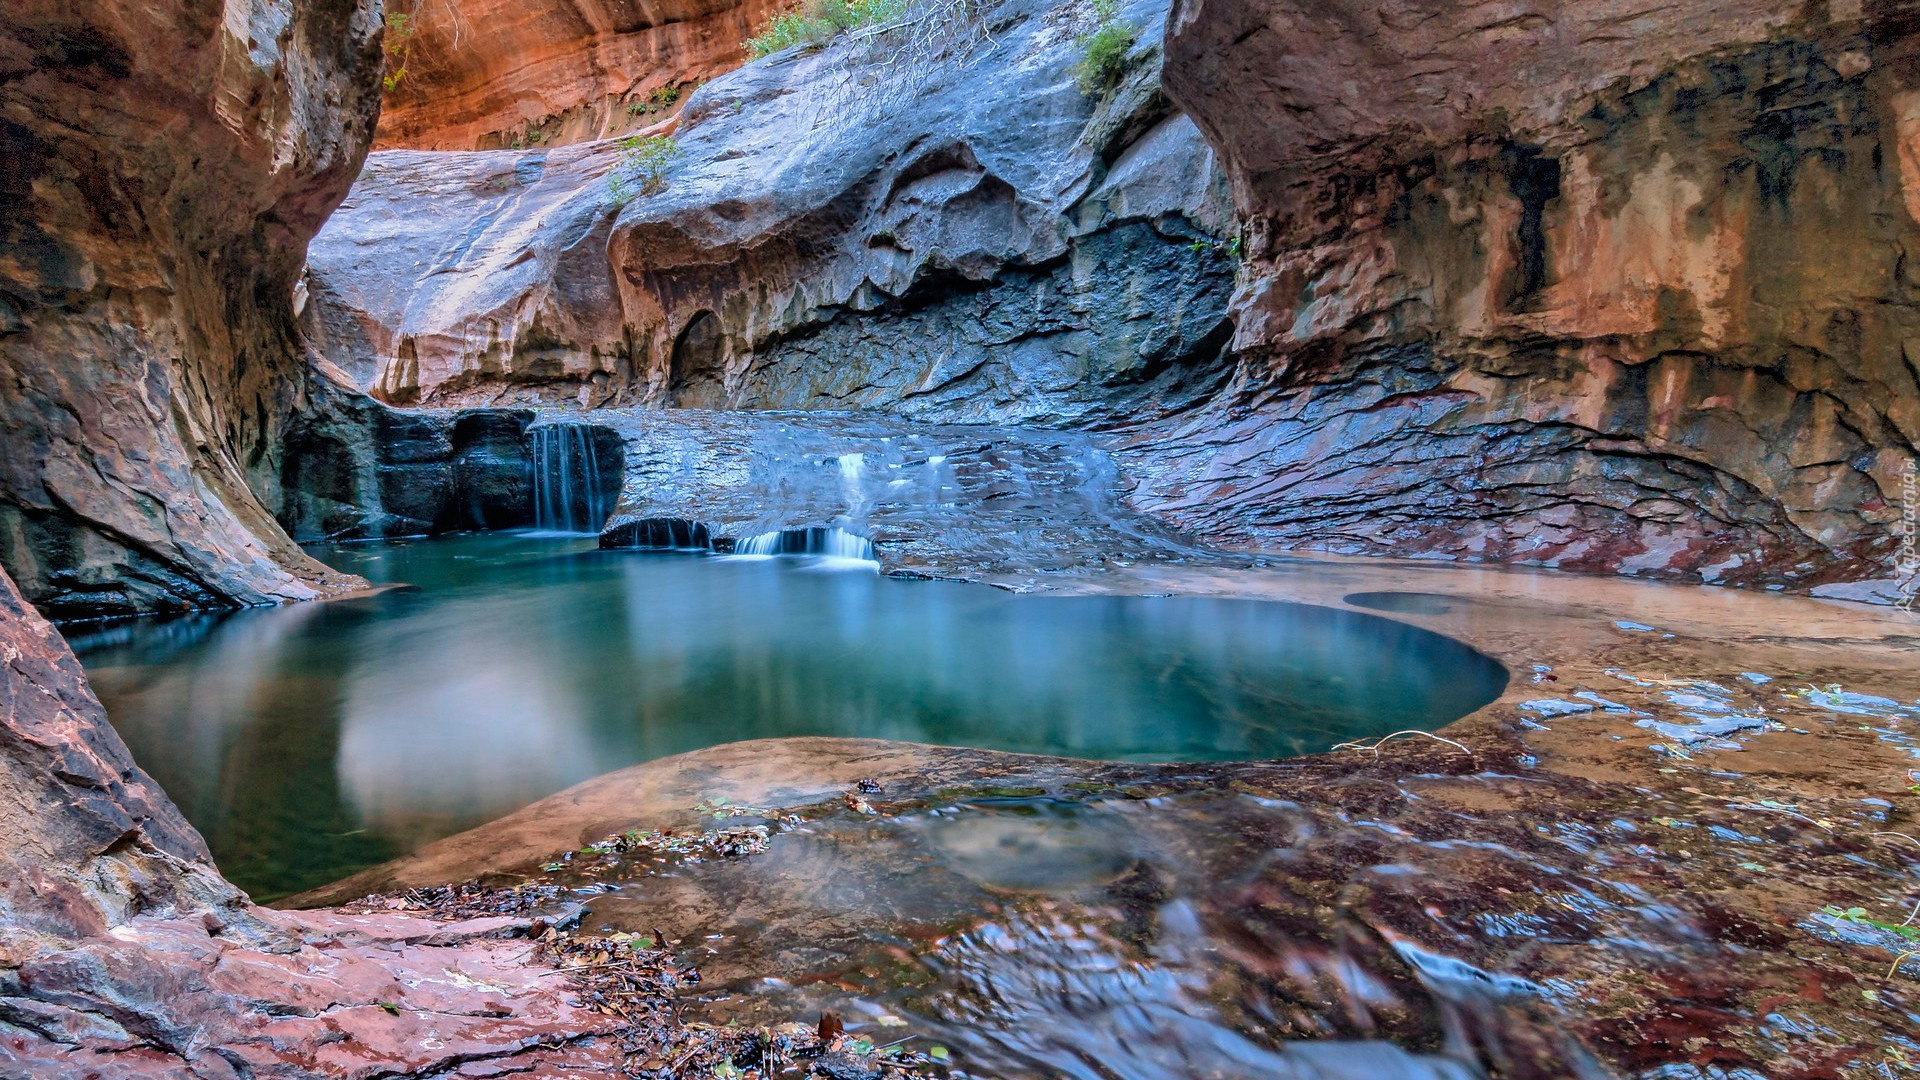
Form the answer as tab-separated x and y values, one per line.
123	953
162	166
90	839
487	73
1593	285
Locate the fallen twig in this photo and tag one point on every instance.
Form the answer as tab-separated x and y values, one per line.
1378	743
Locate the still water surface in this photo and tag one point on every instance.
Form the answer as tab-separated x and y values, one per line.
311	741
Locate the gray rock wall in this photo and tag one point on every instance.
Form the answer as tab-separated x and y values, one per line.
978	241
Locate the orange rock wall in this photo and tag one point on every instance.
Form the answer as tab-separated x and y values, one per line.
482	74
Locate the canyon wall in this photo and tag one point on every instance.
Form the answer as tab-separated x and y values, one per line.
479	74
1589	285
972	238
161	169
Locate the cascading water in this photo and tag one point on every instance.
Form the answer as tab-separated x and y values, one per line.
852	468
567	495
828	541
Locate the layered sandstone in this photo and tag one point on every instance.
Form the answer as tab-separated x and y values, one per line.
969	239
161	169
474	74
1591	285
92	841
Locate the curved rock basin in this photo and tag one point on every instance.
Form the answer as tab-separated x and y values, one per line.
310	742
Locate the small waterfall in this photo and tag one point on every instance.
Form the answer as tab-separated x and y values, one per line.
834	543
852	473
566	480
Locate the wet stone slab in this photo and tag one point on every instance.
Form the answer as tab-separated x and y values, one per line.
1015	505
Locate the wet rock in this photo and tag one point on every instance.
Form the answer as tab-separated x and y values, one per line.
1551	707
359	469
942	500
492	471
1706	729
166	164
843	1067
666	534
1604	703
1530	290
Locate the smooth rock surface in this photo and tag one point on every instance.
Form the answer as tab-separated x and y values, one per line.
91	840
482	74
972	240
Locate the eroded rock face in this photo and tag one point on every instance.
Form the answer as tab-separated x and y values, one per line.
482	74
1586	285
161	168
91	840
976	241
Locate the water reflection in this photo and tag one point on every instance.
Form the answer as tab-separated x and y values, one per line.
311	741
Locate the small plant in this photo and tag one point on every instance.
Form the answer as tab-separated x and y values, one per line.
397	42
642	169
1229	248
817	22
660	100
1859	915
1103	50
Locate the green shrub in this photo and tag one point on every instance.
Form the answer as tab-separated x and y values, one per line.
660	100
1103	50
642	169
397	40
817	22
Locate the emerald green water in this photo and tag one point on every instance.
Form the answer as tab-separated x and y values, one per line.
311	741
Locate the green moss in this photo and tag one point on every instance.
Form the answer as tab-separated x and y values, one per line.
662	99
